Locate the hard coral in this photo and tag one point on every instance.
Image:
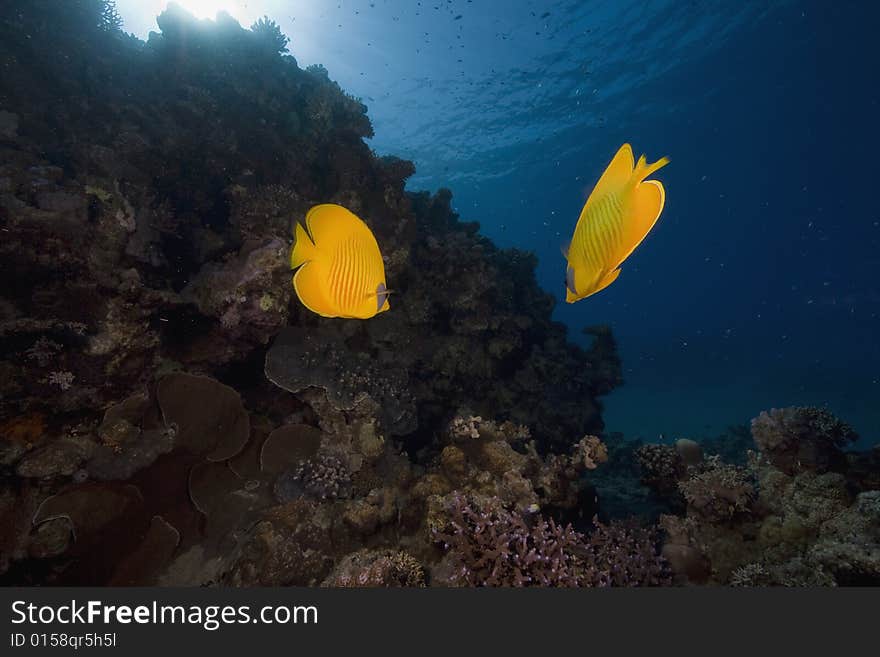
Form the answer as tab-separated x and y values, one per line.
488	545
322	477
801	438
379	568
719	491
622	554
299	360
662	468
789	520
147	227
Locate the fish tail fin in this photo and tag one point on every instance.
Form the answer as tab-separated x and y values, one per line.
303	247
647	203
643	169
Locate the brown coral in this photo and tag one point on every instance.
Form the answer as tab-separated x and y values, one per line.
802	437
382	568
718	491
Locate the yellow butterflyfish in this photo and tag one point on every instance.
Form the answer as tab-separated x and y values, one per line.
340	272
621	210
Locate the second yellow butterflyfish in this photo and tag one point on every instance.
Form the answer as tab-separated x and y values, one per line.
621	210
340	271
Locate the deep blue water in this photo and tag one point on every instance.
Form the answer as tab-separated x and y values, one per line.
759	285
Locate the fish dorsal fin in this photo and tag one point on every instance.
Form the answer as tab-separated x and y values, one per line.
646	204
329	224
616	175
303	248
565	248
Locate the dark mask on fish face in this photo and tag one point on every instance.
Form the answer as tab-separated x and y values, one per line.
569	279
381	296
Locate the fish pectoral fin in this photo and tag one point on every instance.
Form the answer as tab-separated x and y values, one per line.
308	288
645	206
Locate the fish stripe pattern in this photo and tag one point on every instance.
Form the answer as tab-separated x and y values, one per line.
619	213
339	268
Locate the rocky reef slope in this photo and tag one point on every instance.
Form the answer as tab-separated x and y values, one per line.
170	413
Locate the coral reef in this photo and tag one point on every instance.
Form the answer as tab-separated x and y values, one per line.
795	516
488	545
380	568
717	491
496	547
662	468
171	414
801	438
323	477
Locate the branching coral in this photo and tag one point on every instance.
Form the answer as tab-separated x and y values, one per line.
488	545
624	555
718	492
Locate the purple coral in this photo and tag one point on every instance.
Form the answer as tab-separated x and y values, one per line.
622	554
488	545
495	547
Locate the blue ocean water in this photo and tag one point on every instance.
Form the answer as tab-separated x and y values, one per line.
758	287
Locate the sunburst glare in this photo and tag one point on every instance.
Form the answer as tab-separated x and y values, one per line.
209	8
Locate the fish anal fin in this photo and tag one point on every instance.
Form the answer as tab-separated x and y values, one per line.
644	208
310	290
